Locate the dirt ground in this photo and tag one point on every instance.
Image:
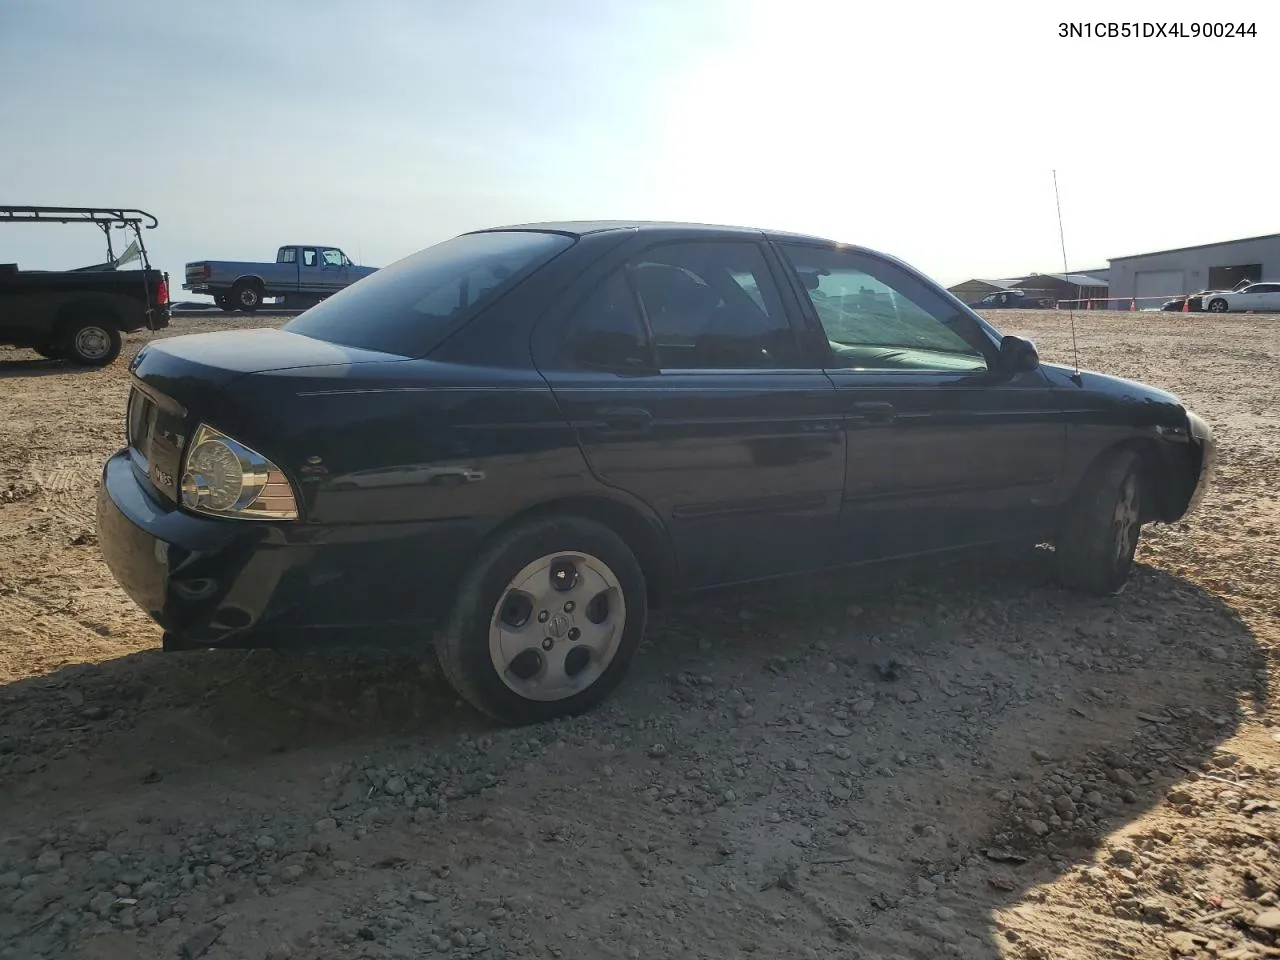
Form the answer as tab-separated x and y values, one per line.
963	762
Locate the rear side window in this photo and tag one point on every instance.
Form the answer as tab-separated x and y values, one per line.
607	331
404	308
686	306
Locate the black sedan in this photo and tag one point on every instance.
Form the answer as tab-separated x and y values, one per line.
1012	299
513	444
1177	304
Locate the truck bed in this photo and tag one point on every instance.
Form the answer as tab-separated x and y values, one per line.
33	302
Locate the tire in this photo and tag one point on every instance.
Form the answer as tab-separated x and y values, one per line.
223	300
50	351
246	295
91	341
1103	524
470	646
1217	305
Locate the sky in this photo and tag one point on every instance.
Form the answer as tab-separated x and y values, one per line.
930	131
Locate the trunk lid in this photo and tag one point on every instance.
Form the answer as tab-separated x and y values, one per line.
218	358
180	380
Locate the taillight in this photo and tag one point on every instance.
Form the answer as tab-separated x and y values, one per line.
208	271
162	292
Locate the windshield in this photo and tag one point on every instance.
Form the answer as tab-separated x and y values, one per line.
406	307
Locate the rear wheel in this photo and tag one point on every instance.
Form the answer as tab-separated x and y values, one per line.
1217	305
546	622
1100	534
224	301
91	342
246	295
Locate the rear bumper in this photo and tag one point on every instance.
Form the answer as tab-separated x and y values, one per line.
158	317
212	582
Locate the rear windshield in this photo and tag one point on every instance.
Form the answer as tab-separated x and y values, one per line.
405	308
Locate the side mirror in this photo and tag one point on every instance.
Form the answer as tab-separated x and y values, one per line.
1018	355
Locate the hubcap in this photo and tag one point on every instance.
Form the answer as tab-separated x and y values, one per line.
92	342
249	297
1125	519
557	626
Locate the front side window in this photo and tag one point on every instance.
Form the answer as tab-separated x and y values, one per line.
332	258
878	317
403	308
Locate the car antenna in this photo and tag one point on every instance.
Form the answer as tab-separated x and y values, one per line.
1071	311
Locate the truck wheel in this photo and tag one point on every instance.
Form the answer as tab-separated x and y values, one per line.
1101	529
91	342
546	621
224	301
247	295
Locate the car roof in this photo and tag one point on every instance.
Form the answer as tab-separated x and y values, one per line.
580	228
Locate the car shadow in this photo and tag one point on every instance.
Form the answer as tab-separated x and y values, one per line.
923	702
38	366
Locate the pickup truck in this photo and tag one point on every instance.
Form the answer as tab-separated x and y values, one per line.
303	273
80	315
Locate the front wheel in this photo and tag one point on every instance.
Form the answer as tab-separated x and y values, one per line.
92	343
1217	305
1100	534
546	621
50	351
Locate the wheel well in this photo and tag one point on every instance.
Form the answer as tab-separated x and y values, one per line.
1157	479
646	541
99	310
247	281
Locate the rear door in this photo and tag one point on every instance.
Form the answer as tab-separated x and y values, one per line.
943	449
681	374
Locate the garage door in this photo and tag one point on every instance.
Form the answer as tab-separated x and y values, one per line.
1157	283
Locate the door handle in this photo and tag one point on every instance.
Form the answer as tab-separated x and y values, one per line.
874	411
625	419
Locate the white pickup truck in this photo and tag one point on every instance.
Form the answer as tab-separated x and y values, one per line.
303	274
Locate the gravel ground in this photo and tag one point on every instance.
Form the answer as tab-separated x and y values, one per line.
959	762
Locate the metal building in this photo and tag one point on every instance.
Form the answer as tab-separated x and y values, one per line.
1211	266
974	290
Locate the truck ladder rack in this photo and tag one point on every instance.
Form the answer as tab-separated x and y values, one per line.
103	216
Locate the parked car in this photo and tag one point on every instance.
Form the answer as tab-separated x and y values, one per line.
1177	303
306	273
81	315
1008	299
628	412
1263	297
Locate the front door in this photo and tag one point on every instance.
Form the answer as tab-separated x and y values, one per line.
681	374
943	449
1261	296
333	270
